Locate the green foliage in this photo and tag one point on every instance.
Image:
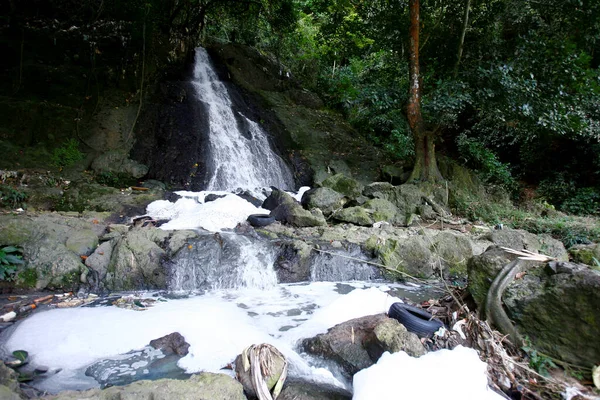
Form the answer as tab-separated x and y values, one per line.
10	197
562	191
490	169
538	361
115	179
10	259
67	154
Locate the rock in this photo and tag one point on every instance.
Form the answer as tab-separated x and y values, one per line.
307	390
344	185
295	215
394	337
100	259
179	239
323	198
9	385
383	210
482	270
277	198
411	255
407	198
171	343
115	161
83	242
453	251
204	386
519	239
293	262
249	197
586	253
212	197
556	306
136	262
354	215
355	345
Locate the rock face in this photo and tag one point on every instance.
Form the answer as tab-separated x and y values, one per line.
204	386
519	239
294	214
115	161
325	199
555	304
358	343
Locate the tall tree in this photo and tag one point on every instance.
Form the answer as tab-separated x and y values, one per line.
425	168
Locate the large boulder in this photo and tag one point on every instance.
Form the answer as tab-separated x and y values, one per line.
519	239
116	162
344	185
204	386
554	304
383	210
136	261
483	268
408	199
52	245
453	250
354	215
295	215
557	306
325	199
411	255
358	343
277	198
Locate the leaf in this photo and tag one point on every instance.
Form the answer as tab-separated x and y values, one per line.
13	259
11	249
21	355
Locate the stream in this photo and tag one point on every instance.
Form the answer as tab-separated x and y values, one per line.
222	297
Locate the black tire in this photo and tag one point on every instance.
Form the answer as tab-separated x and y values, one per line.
260	220
415	319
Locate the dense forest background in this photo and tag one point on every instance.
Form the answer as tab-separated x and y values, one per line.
511	88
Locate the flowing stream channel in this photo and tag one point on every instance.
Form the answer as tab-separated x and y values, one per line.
224	293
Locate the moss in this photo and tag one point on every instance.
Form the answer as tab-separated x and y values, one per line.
344	185
27	279
70	280
267	234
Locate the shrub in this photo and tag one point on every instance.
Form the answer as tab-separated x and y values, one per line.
10	258
13	198
67	154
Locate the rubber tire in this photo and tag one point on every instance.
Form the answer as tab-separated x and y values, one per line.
415	319
260	220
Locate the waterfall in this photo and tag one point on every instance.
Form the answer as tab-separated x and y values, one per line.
240	153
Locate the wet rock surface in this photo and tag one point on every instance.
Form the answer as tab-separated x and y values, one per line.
304	390
358	343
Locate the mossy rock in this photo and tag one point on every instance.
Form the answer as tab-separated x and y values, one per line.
354	215
344	185
454	250
411	255
586	253
383	210
482	269
323	198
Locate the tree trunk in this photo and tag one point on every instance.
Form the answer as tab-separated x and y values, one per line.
461	42
425	168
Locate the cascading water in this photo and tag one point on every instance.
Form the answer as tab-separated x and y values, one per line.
238	159
224	261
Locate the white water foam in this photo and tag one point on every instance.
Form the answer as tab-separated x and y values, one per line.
441	375
217	215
